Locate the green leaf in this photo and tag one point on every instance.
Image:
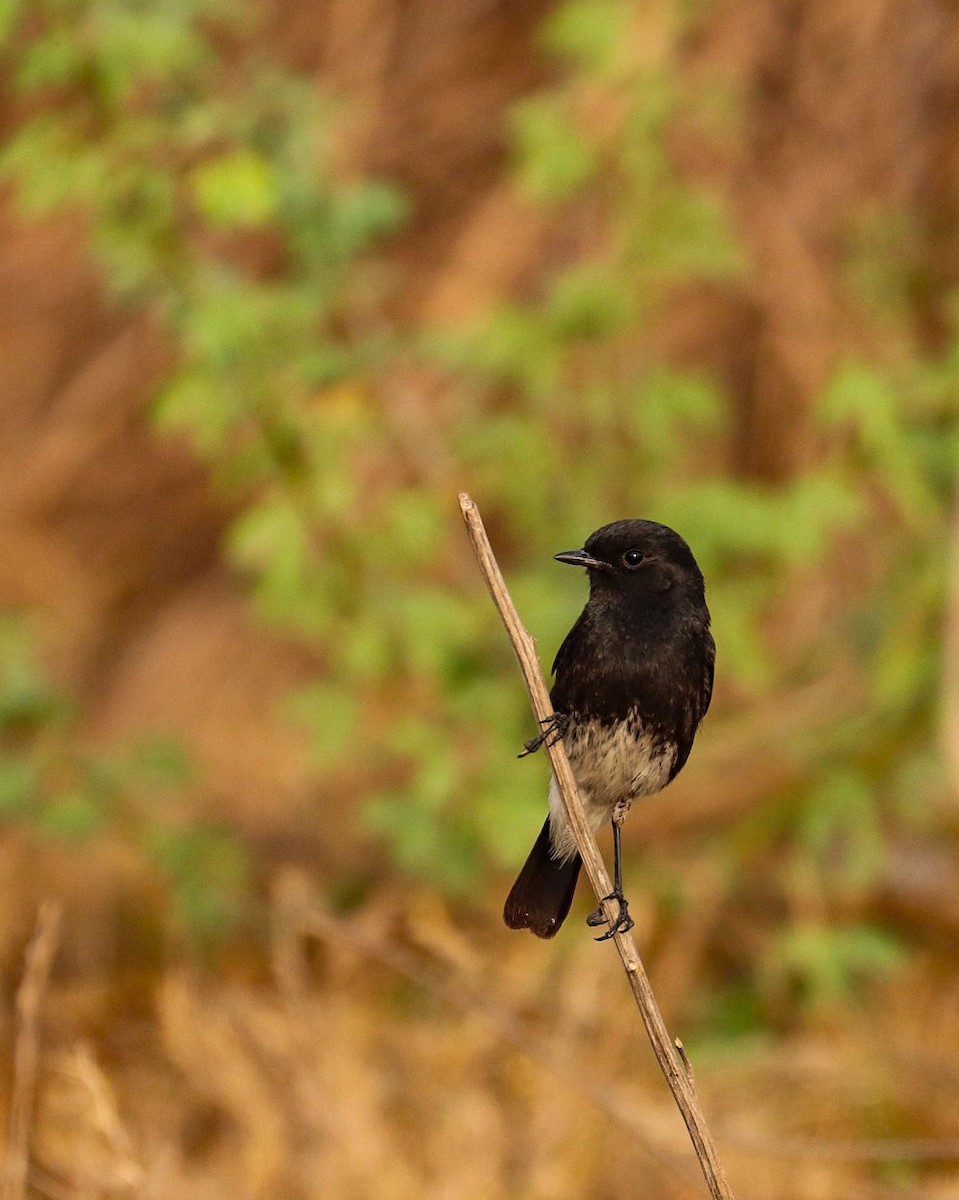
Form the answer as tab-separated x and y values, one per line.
589	32
208	869
413	530
74	816
144	44
26	698
555	160
431	626
509	824
197	403
273	539
688	235
516	345
162	761
56	60
825	964
839	824
331	714
861	396
11	12
235	189
443	851
19	786
583	305
51	167
362	213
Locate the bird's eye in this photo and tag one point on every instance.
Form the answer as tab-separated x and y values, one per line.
633	558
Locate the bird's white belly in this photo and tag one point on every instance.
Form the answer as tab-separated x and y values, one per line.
613	765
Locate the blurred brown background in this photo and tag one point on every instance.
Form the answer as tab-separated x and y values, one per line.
340	1021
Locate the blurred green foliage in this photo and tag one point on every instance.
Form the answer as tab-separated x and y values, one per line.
206	179
58	787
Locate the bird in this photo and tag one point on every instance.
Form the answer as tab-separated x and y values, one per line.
633	681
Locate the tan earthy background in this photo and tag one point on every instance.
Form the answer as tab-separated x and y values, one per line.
409	1045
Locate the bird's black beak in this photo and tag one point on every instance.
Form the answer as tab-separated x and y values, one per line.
579	558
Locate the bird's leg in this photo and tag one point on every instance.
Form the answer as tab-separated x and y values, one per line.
553	729
624	922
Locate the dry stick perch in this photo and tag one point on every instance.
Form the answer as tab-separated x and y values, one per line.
673	1064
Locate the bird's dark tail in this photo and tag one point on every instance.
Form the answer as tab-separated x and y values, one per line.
541	896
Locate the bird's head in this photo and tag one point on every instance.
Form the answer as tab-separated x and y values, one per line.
637	559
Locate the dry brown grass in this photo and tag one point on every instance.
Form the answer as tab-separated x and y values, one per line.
398	1053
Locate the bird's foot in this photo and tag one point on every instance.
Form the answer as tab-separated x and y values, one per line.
623	923
553	729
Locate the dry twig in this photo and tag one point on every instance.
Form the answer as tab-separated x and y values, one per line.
36	972
676	1069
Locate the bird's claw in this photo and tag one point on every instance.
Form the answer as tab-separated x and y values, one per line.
554	727
623	923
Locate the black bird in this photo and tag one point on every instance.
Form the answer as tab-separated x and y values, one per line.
633	681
